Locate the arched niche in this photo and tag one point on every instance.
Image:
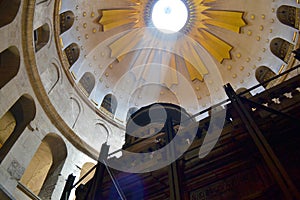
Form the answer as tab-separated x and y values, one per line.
66	21
7	126
23	111
42	173
51	77
247	94
130	112
84	170
110	103
281	48
72	52
264	73
288	15
87	83
41	36
8	11
9	64
75	111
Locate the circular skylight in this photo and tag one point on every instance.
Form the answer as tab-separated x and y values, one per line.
169	16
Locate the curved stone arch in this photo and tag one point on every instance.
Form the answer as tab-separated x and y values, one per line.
23	111
77	102
7	126
8	11
59	151
107	128
110	103
41	36
264	73
66	21
287	15
87	83
281	49
84	169
45	166
57	63
58	77
243	89
43	1
51	32
72	52
37	85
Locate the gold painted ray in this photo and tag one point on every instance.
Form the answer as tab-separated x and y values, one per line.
191	56
194	74
126	43
208	1
115	18
230	20
218	48
170	77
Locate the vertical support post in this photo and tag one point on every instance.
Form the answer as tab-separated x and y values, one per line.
173	168
68	187
95	190
285	183
115	182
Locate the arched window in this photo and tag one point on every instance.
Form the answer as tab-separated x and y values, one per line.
41	37
7	126
264	73
8	11
42	173
66	21
23	112
72	52
87	83
130	112
287	15
240	90
85	168
281	48
9	64
109	103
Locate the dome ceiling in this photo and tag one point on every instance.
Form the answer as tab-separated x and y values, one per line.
113	48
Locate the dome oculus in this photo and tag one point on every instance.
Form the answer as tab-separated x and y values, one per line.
169	16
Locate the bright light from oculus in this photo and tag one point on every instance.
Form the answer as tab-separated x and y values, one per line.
169	16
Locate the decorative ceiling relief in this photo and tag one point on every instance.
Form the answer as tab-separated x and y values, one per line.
126	44
136	17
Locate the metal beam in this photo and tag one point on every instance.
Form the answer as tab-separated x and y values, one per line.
95	190
284	181
68	187
271	110
115	182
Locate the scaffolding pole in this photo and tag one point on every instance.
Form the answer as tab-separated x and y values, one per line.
284	181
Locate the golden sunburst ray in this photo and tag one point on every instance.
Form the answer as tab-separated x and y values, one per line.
218	48
115	18
191	56
230	20
126	43
172	76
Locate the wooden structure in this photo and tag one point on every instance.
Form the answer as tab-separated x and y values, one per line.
256	157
